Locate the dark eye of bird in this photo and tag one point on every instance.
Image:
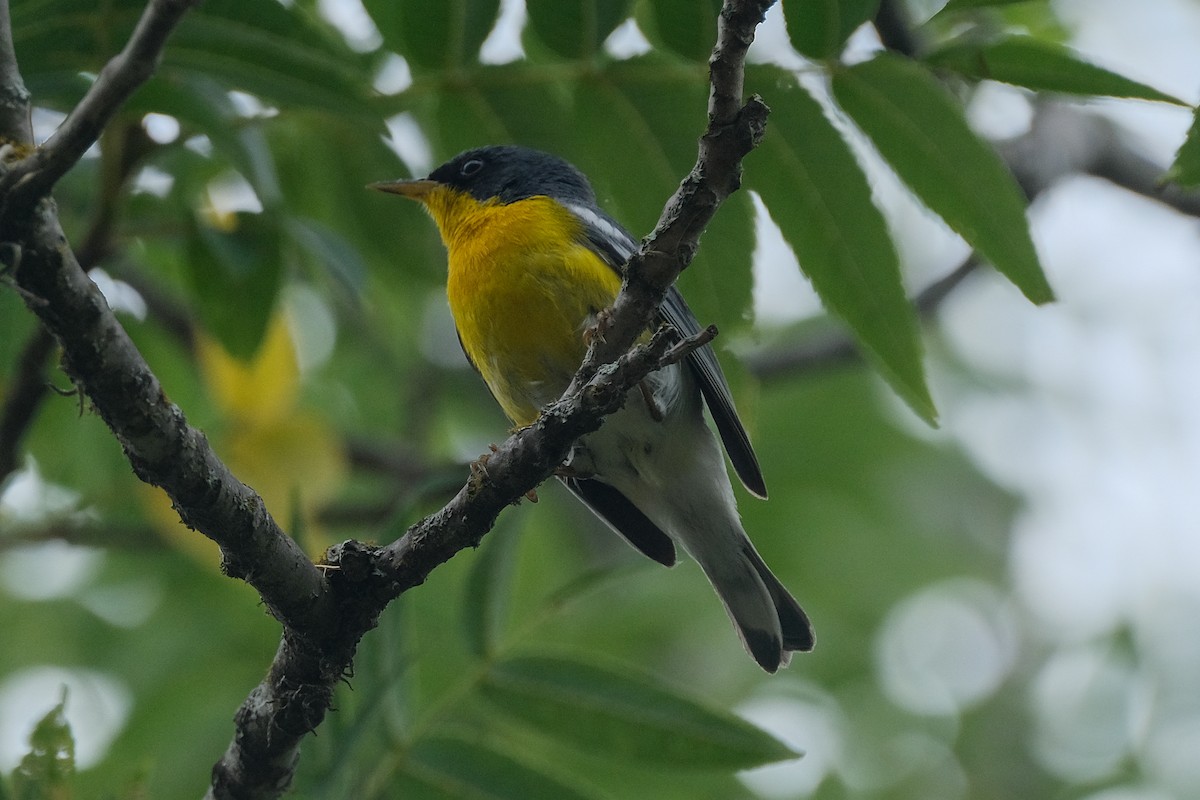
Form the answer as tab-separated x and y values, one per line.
471	167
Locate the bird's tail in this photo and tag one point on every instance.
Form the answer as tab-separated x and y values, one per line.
768	619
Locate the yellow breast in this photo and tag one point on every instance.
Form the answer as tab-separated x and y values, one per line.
522	289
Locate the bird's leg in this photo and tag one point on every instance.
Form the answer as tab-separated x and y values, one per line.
478	468
599	324
479	472
652	406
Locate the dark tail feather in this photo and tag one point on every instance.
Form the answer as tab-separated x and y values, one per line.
793	622
768	620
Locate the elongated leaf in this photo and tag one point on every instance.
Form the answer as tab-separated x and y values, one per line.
575	28
511	106
1041	66
448	769
201	105
70	35
961	5
277	53
626	717
648	102
437	34
686	27
487	589
331	250
921	132
259	46
236	274
820	28
1034	17
819	197
1186	169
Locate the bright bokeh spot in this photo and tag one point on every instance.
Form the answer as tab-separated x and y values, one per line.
946	648
808	721
97	707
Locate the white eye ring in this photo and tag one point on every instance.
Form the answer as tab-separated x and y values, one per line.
471	167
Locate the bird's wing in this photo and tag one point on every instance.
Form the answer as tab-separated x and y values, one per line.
624	517
615	245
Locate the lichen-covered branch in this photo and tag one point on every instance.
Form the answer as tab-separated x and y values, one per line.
32	178
734	128
365	577
324	619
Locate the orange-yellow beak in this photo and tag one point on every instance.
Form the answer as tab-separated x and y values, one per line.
417	189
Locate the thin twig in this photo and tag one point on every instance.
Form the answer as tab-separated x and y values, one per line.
734	129
15	124
322	628
367	577
28	388
817	355
100	358
33	178
81	528
682	348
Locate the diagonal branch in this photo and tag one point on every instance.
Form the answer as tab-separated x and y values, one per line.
366	578
14	97
816	355
734	129
101	359
29	386
34	177
324	620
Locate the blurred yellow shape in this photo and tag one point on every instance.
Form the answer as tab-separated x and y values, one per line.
291	457
257	392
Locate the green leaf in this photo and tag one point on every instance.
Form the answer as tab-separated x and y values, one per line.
1040	66
274	52
438	34
201	105
236	274
444	768
487	589
962	5
921	132
685	27
819	28
625	717
337	257
820	198
46	770
260	46
1186	169
69	36
1030	17
510	103
575	29
649	102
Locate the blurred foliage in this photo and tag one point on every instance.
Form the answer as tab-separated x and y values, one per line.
45	771
299	320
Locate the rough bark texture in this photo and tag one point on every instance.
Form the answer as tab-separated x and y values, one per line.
325	610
